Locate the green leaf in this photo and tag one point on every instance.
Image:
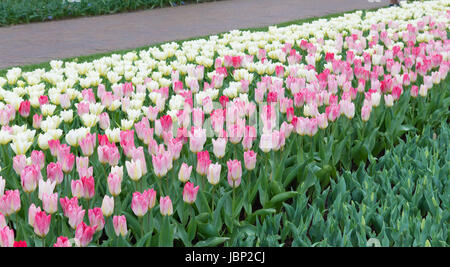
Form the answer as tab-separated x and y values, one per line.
211	242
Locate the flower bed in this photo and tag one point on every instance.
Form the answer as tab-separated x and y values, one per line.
190	144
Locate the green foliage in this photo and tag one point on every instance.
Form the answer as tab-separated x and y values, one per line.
25	11
402	199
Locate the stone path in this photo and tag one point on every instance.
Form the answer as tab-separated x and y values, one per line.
40	42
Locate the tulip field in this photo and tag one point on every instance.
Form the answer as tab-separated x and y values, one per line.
327	133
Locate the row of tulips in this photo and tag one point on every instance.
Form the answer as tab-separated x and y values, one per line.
215	166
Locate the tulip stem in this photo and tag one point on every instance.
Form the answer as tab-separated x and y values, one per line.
232	203
160	186
212	198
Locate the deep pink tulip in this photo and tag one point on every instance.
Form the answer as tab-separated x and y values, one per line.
62	241
42	223
84	234
190	193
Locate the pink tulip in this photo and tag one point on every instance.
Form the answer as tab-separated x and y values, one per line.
77	188
150	194
75	214
114	184
50	202
24	108
165	205
120	225
166	123
37	119
53	146
42	223
64	100
54	172
30	177
190	193
62	241
127	141
234	169
19	163
250	159
96	218
87	144
203	162
38	158
160	164
185	172
139	204
6	237
365	112
104	121
88	187
84	234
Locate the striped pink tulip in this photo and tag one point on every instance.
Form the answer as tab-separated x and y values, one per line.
42	223
165	206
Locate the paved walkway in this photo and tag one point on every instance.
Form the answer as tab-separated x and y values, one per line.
40	42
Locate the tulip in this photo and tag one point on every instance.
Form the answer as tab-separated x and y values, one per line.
38	158
46	187
185	172
88	187
250	159
42	223
114	184
10	202
50	202
365	112
234	169
87	144
29	177
20	244
150	194
104	122
19	163
165	205
24	109
96	218
190	193
6	237
203	162
219	147
265	142
213	175
84	234
107	206
32	210
139	204
134	169
120	225
62	241
55	173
